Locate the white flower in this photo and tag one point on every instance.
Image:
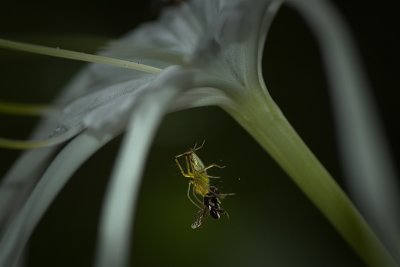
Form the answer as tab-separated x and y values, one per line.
204	52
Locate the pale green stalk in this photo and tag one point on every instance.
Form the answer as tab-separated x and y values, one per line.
274	133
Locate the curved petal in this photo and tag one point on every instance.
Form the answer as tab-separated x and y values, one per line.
120	202
53	180
19	182
85	107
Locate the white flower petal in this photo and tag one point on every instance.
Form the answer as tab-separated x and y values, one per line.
117	214
85	107
56	176
19	182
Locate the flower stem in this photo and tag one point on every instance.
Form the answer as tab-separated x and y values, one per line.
274	133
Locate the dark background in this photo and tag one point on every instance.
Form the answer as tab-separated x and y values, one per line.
271	222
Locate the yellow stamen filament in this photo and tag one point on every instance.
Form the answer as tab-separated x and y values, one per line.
40	110
32	144
62	53
26	109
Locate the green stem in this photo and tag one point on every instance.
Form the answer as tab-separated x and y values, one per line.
274	133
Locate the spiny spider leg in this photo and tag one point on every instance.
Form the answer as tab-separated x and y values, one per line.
188	196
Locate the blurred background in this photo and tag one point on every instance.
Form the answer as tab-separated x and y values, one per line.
271	222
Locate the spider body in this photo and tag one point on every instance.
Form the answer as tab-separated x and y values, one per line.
199	185
196	171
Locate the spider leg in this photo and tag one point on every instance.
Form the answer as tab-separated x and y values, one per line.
186	174
214	165
195	196
204	170
183	154
188	166
188	196
195	148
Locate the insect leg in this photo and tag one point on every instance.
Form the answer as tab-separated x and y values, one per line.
225	212
222	196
